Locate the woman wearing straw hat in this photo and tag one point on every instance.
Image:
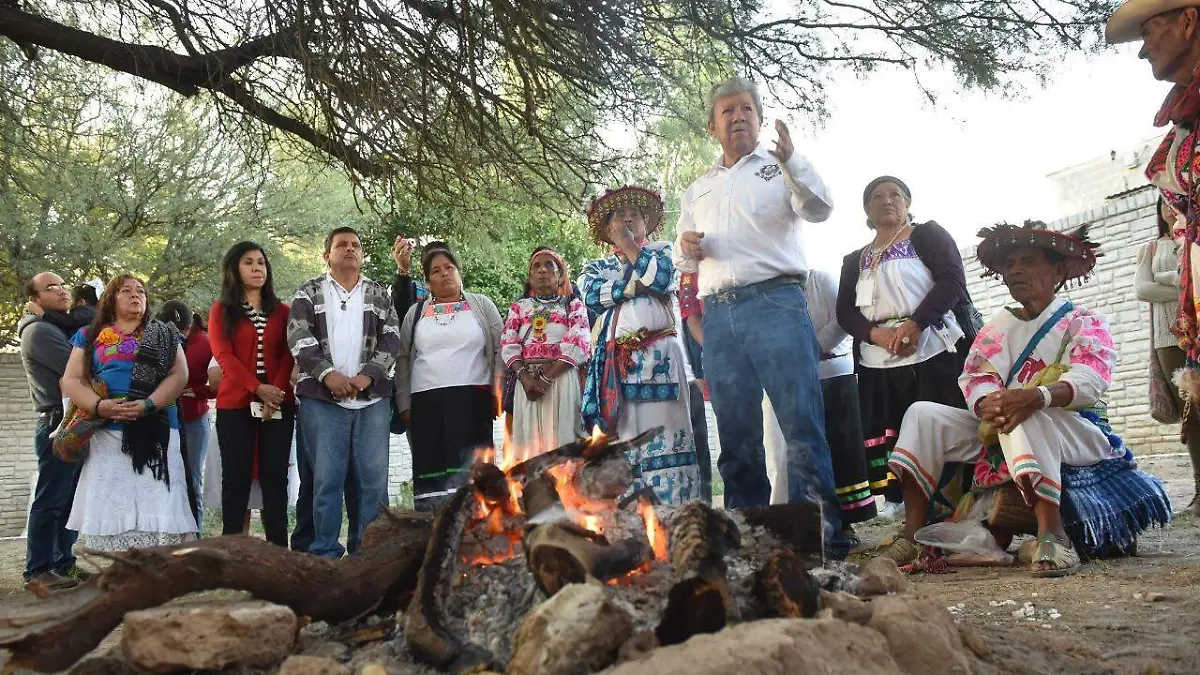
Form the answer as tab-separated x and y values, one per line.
637	377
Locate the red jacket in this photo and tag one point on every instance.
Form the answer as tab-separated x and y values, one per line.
198	353
239	380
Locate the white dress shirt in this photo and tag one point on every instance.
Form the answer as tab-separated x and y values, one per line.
821	293
750	215
345	331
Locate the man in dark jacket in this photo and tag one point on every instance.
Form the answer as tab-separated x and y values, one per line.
44	352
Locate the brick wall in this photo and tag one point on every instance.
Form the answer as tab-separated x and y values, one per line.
1121	226
17	462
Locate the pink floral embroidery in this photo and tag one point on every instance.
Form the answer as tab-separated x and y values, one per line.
1032	367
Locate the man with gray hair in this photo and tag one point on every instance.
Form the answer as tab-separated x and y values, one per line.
739	227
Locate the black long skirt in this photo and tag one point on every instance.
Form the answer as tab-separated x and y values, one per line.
446	427
843	431
885	394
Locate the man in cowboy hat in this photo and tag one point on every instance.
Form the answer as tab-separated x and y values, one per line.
1032	380
740	228
1170	34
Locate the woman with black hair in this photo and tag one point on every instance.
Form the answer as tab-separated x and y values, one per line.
446	374
128	370
1157	282
256	406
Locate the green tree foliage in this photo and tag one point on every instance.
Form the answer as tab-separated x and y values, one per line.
110	179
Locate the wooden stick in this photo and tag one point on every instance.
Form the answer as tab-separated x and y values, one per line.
50	634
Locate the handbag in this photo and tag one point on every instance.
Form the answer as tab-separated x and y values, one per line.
74	434
1163	407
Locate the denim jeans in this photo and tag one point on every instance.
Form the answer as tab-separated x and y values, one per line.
302	536
197	434
700	436
338	438
48	544
764	340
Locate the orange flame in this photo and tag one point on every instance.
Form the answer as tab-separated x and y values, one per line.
656	532
597	435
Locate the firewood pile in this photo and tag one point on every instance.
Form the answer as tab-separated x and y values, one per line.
537	567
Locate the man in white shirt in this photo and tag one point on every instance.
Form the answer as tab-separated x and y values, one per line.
345	336
739	227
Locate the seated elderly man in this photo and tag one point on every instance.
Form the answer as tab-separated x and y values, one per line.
1032	381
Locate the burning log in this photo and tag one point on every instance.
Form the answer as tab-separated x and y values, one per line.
492	486
785	589
586	449
49	634
605	478
700	599
428	637
559	552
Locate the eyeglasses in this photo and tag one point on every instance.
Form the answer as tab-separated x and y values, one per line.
52	288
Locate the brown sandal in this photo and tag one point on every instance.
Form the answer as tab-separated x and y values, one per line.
1064	560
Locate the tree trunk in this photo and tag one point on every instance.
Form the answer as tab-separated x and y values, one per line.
50	633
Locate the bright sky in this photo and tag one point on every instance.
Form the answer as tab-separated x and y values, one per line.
971	160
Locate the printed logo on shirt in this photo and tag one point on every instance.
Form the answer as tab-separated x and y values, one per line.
768	172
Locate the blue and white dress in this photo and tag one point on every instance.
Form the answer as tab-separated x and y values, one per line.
650	388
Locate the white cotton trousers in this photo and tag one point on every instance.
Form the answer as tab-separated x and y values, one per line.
933	434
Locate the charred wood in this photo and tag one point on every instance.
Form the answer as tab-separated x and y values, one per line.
797	525
785	589
428	637
700	600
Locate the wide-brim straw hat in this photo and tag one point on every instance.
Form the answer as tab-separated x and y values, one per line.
1077	250
602	207
1125	24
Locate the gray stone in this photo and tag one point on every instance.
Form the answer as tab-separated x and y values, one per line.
922	635
208	636
879	576
312	665
579	630
771	647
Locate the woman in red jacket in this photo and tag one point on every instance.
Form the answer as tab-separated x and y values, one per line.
255	400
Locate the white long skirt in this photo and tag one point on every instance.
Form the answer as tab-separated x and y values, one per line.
116	508
549	422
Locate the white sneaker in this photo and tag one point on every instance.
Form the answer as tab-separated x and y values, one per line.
890	511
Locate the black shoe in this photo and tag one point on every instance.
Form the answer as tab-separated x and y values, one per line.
51	580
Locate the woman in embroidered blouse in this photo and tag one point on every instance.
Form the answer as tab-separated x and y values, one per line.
446	376
1157	282
256	405
895	299
636	377
132	489
546	339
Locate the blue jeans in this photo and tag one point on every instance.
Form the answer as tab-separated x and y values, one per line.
302	536
197	451
764	340
338	437
48	544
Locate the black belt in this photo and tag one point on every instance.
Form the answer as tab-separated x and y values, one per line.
734	294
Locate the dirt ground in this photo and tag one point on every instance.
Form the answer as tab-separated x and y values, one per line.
1100	621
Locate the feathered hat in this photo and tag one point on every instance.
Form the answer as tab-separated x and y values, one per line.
1077	250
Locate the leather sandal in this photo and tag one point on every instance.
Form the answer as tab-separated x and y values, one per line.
901	551
1064	560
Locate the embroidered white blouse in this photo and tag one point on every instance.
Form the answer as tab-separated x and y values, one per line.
901	282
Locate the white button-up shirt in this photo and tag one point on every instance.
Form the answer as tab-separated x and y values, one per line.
345	332
821	294
750	215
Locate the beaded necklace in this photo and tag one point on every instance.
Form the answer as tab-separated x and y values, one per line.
443	313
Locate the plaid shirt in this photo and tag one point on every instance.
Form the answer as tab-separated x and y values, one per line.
308	338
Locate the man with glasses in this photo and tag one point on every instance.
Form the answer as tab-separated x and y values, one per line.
44	351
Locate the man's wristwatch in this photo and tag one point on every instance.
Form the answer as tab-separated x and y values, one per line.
149	404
